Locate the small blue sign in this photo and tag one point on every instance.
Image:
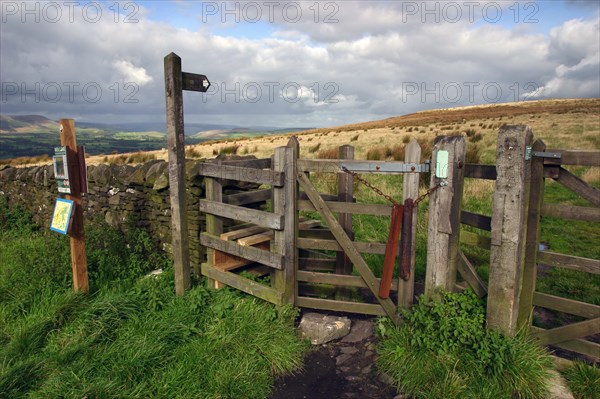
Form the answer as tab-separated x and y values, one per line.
61	217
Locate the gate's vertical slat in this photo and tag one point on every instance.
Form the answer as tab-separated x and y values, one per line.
284	202
509	224
343	265
410	189
444	217
214	224
532	238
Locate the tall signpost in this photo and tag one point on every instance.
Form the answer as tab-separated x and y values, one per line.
175	82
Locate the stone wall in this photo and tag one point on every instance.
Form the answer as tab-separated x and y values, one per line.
117	193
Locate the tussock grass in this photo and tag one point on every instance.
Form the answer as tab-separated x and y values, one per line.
583	380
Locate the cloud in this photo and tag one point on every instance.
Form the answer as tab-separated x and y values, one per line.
377	61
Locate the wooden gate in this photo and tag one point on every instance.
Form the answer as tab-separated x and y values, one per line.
262	241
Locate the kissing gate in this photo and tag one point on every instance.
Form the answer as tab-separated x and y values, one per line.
281	243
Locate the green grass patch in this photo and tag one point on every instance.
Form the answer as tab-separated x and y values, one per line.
583	380
444	351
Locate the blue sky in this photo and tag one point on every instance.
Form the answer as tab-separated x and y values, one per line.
336	62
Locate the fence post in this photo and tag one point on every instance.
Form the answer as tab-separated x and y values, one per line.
444	216
343	265
284	202
176	154
214	224
412	154
532	239
509	226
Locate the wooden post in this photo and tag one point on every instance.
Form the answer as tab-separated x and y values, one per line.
509	226
343	265
176	153
444	216
532	239
214	224
284	202
410	189
77	232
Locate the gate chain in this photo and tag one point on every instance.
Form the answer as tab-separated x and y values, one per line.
386	196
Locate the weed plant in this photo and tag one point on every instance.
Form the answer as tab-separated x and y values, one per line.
444	351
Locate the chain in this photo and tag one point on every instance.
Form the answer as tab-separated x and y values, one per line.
386	196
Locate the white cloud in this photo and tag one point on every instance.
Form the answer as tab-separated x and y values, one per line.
131	73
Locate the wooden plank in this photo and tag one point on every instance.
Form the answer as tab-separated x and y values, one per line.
569	262
256	238
260	218
509	226
176	155
345	195
349	207
577	345
309	224
575	157
569	332
214	224
320	234
271	259
335	165
246	198
410	189
532	238
476	220
241	233
580	187
444	217
326	197
333	245
565	305
284	202
343	280
476	240
259	270
317	264
240	173
225	262
340	306
77	231
243	284
348	246
571	212
260	163
475	171
468	272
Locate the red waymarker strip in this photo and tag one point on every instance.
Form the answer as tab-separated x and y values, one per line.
406	239
390	251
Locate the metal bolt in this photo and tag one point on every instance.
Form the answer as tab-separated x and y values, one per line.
412	168
460	164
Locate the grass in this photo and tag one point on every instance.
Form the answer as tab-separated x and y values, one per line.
131	336
583	380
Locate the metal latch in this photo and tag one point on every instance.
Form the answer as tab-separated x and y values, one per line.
540	154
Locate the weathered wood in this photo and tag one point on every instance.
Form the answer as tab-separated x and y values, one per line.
551	172
476	220
243	284
333	245
509	225
214	224
77	231
565	305
532	238
345	195
571	212
575	157
335	165
577	185
358	209
569	262
267	236
250	197
271	259
336	279
326	197
476	240
577	345
240	233
340	306
475	171
176	155
410	189
568	332
444	217
225	262
319	234
284	202
261	163
468	272
240	173
308	224
260	218
348	246
317	264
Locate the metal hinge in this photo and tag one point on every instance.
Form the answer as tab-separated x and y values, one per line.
540	154
363	167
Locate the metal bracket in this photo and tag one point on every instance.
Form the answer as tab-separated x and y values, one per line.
367	167
528	153
543	154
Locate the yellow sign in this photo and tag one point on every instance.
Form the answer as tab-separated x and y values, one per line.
61	218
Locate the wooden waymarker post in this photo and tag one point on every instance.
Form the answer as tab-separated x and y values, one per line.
175	82
77	231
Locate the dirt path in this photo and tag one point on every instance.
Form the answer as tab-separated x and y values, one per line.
340	369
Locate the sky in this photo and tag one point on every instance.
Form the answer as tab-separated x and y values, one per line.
292	63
